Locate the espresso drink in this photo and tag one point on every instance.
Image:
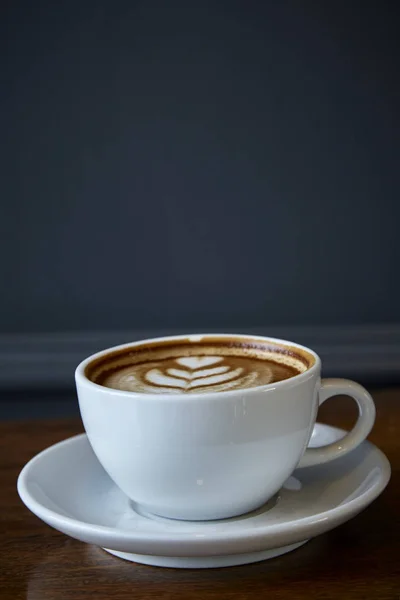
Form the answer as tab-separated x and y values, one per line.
197	365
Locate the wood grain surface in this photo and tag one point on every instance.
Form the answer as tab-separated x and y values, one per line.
358	560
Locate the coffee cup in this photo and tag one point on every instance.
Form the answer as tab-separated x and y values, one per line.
206	427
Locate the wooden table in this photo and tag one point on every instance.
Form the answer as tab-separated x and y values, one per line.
358	560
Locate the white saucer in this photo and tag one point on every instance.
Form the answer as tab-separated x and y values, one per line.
67	488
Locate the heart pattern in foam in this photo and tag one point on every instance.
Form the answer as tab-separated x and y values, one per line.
195	374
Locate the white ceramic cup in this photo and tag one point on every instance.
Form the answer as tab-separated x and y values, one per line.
213	455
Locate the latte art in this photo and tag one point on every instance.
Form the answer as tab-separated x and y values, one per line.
189	374
196	365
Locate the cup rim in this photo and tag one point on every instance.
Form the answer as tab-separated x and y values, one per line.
81	377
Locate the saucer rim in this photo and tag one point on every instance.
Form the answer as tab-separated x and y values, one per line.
170	543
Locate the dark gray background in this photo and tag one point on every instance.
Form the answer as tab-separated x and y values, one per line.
174	166
195	164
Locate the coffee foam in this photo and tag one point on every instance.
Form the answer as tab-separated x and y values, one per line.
198	365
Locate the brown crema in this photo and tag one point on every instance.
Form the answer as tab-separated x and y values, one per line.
198	364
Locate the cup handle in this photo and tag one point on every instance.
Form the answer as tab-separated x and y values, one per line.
365	422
